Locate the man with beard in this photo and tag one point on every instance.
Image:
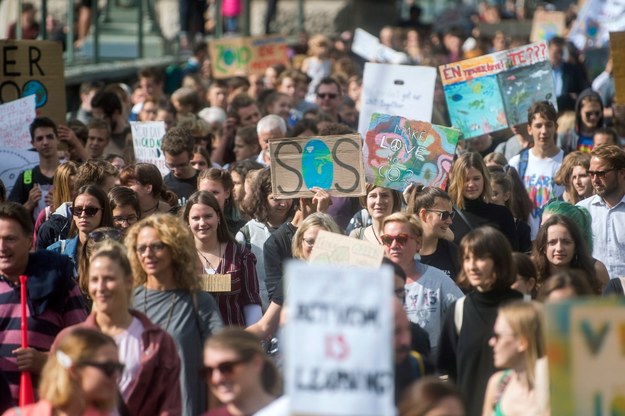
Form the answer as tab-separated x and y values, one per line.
607	207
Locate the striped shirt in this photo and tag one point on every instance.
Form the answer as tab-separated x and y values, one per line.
55	302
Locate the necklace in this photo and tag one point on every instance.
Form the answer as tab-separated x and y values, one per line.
375	234
151	209
206	259
173	299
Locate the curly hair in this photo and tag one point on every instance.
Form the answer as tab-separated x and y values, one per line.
260	193
178	238
582	259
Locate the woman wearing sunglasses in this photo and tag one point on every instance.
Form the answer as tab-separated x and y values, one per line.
518	345
434	208
150	382
218	255
239	373
163	259
429	291
79	377
488	270
378	203
90	210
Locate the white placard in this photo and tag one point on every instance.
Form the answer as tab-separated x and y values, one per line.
15	119
13	162
595	21
146	139
369	47
396	90
338	338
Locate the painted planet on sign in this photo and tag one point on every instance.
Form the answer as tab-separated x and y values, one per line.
37	89
317	165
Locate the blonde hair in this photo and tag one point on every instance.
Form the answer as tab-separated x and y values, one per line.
563	176
116	252
414	223
526	321
458	178
317	219
175	235
63	190
57	385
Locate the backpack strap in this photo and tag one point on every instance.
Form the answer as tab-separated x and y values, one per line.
523	161
464	218
28	177
459	314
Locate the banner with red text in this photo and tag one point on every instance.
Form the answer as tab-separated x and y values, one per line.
493	92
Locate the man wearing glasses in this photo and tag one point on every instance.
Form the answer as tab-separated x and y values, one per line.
607	207
328	97
54	300
178	149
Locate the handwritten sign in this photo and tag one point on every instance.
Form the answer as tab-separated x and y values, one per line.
585	344
492	92
244	56
333	163
398	90
369	47
15	119
547	24
15	162
216	282
617	47
332	248
146	139
34	67
399	151
338	340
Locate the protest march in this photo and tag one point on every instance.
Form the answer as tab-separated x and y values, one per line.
420	218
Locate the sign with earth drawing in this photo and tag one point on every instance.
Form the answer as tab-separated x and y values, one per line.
243	56
493	92
333	163
398	151
34	67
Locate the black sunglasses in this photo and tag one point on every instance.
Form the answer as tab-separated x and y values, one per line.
600	173
110	368
101	235
329	95
89	211
445	215
226	368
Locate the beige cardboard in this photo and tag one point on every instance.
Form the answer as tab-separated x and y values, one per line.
216	282
243	56
332	248
34	66
546	24
617	48
333	163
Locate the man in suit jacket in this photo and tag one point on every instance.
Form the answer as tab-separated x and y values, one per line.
569	79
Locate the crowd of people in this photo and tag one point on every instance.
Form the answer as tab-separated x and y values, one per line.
138	279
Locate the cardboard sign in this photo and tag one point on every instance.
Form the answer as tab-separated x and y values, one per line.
147	138
15	162
15	119
216	282
547	24
617	47
34	67
369	47
493	92
333	163
244	56
398	90
585	344
332	248
399	151
338	338
595	21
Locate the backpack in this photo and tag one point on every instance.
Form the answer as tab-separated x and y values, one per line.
523	160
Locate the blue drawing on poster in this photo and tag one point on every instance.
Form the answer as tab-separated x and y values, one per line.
317	165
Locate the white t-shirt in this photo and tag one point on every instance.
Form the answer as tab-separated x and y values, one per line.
538	180
130	347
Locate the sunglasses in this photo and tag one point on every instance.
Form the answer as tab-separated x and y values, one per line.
101	235
226	368
329	95
89	211
110	368
445	215
592	113
600	173
153	247
401	239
